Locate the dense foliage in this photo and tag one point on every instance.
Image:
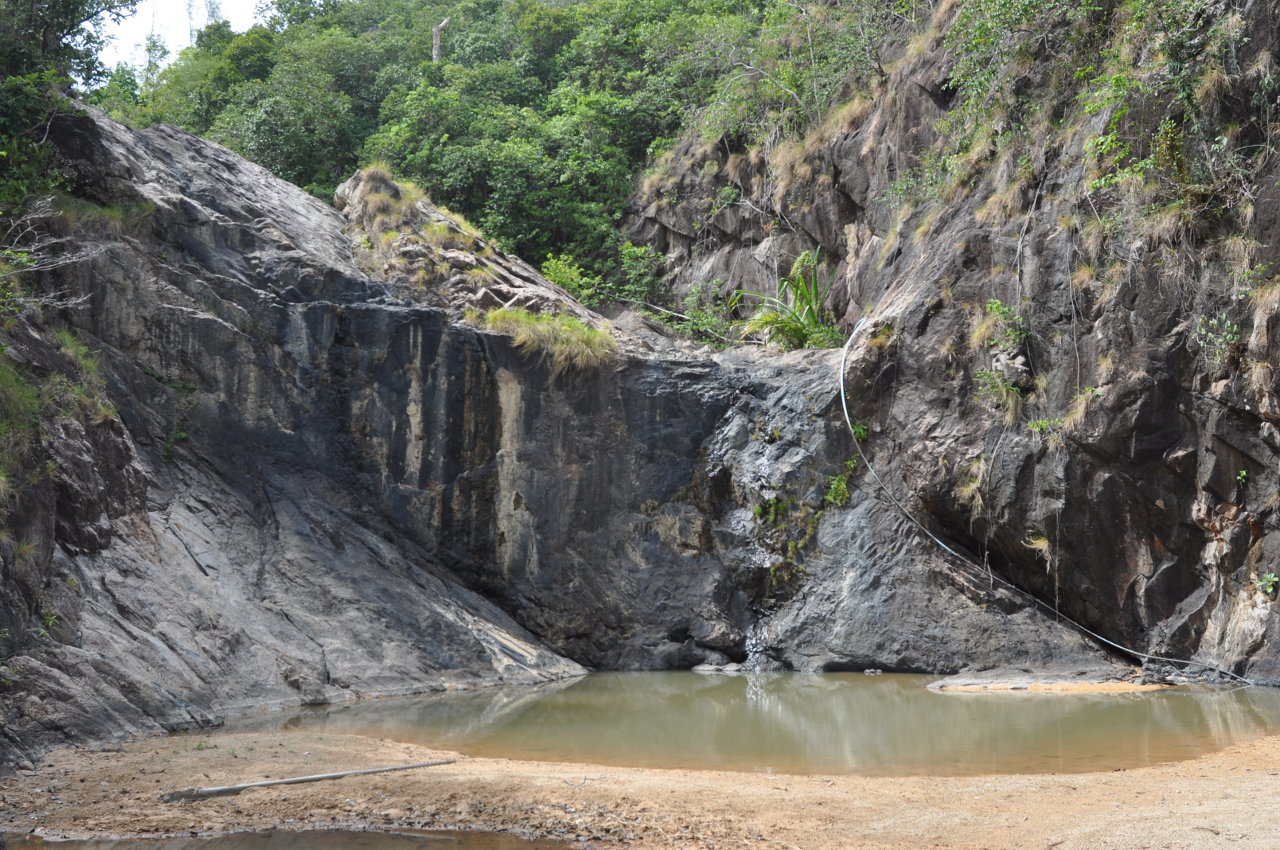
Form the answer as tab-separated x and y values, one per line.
37	35
41	45
538	115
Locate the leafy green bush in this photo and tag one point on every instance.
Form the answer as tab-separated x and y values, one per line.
1045	426
636	281
1217	337
27	103
641	273
702	317
569	276
837	494
1010	329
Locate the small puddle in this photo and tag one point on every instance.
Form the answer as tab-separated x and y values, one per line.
308	840
888	725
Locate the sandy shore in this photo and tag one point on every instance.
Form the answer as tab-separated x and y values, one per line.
1228	799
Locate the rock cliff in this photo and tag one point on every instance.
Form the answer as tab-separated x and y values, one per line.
318	482
1116	452
221	545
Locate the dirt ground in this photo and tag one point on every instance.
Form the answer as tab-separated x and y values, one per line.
1228	799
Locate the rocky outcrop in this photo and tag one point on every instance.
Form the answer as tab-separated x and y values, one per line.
321	483
218	547
672	510
1140	499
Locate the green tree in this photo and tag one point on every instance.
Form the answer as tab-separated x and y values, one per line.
294	123
281	14
193	91
35	36
543	32
121	96
251	53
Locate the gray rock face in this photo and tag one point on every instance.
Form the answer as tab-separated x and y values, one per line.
218	548
319	485
1143	507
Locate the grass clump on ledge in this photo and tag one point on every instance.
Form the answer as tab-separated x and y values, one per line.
569	343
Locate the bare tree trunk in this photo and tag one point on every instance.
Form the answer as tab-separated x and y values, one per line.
435	39
187	795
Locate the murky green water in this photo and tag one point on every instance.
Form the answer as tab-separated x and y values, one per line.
800	723
311	840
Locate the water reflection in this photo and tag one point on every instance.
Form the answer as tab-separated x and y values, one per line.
811	723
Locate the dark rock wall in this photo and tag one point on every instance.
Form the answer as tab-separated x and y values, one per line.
1156	496
232	540
318	486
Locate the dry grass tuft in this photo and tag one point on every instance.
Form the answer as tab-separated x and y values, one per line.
1001	206
1039	544
927	222
789	166
1084	275
1212	84
885	336
1266	295
1078	407
983	330
968	491
1238	250
842	119
377	172
890	245
1170	225
1106	366
735	167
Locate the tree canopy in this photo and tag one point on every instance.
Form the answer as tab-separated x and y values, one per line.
42	44
37	35
538	115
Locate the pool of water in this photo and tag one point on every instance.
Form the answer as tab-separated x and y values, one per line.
809	723
309	840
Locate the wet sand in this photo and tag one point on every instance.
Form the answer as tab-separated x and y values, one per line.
1227	799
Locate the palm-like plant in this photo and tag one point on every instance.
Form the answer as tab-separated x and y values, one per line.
796	318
